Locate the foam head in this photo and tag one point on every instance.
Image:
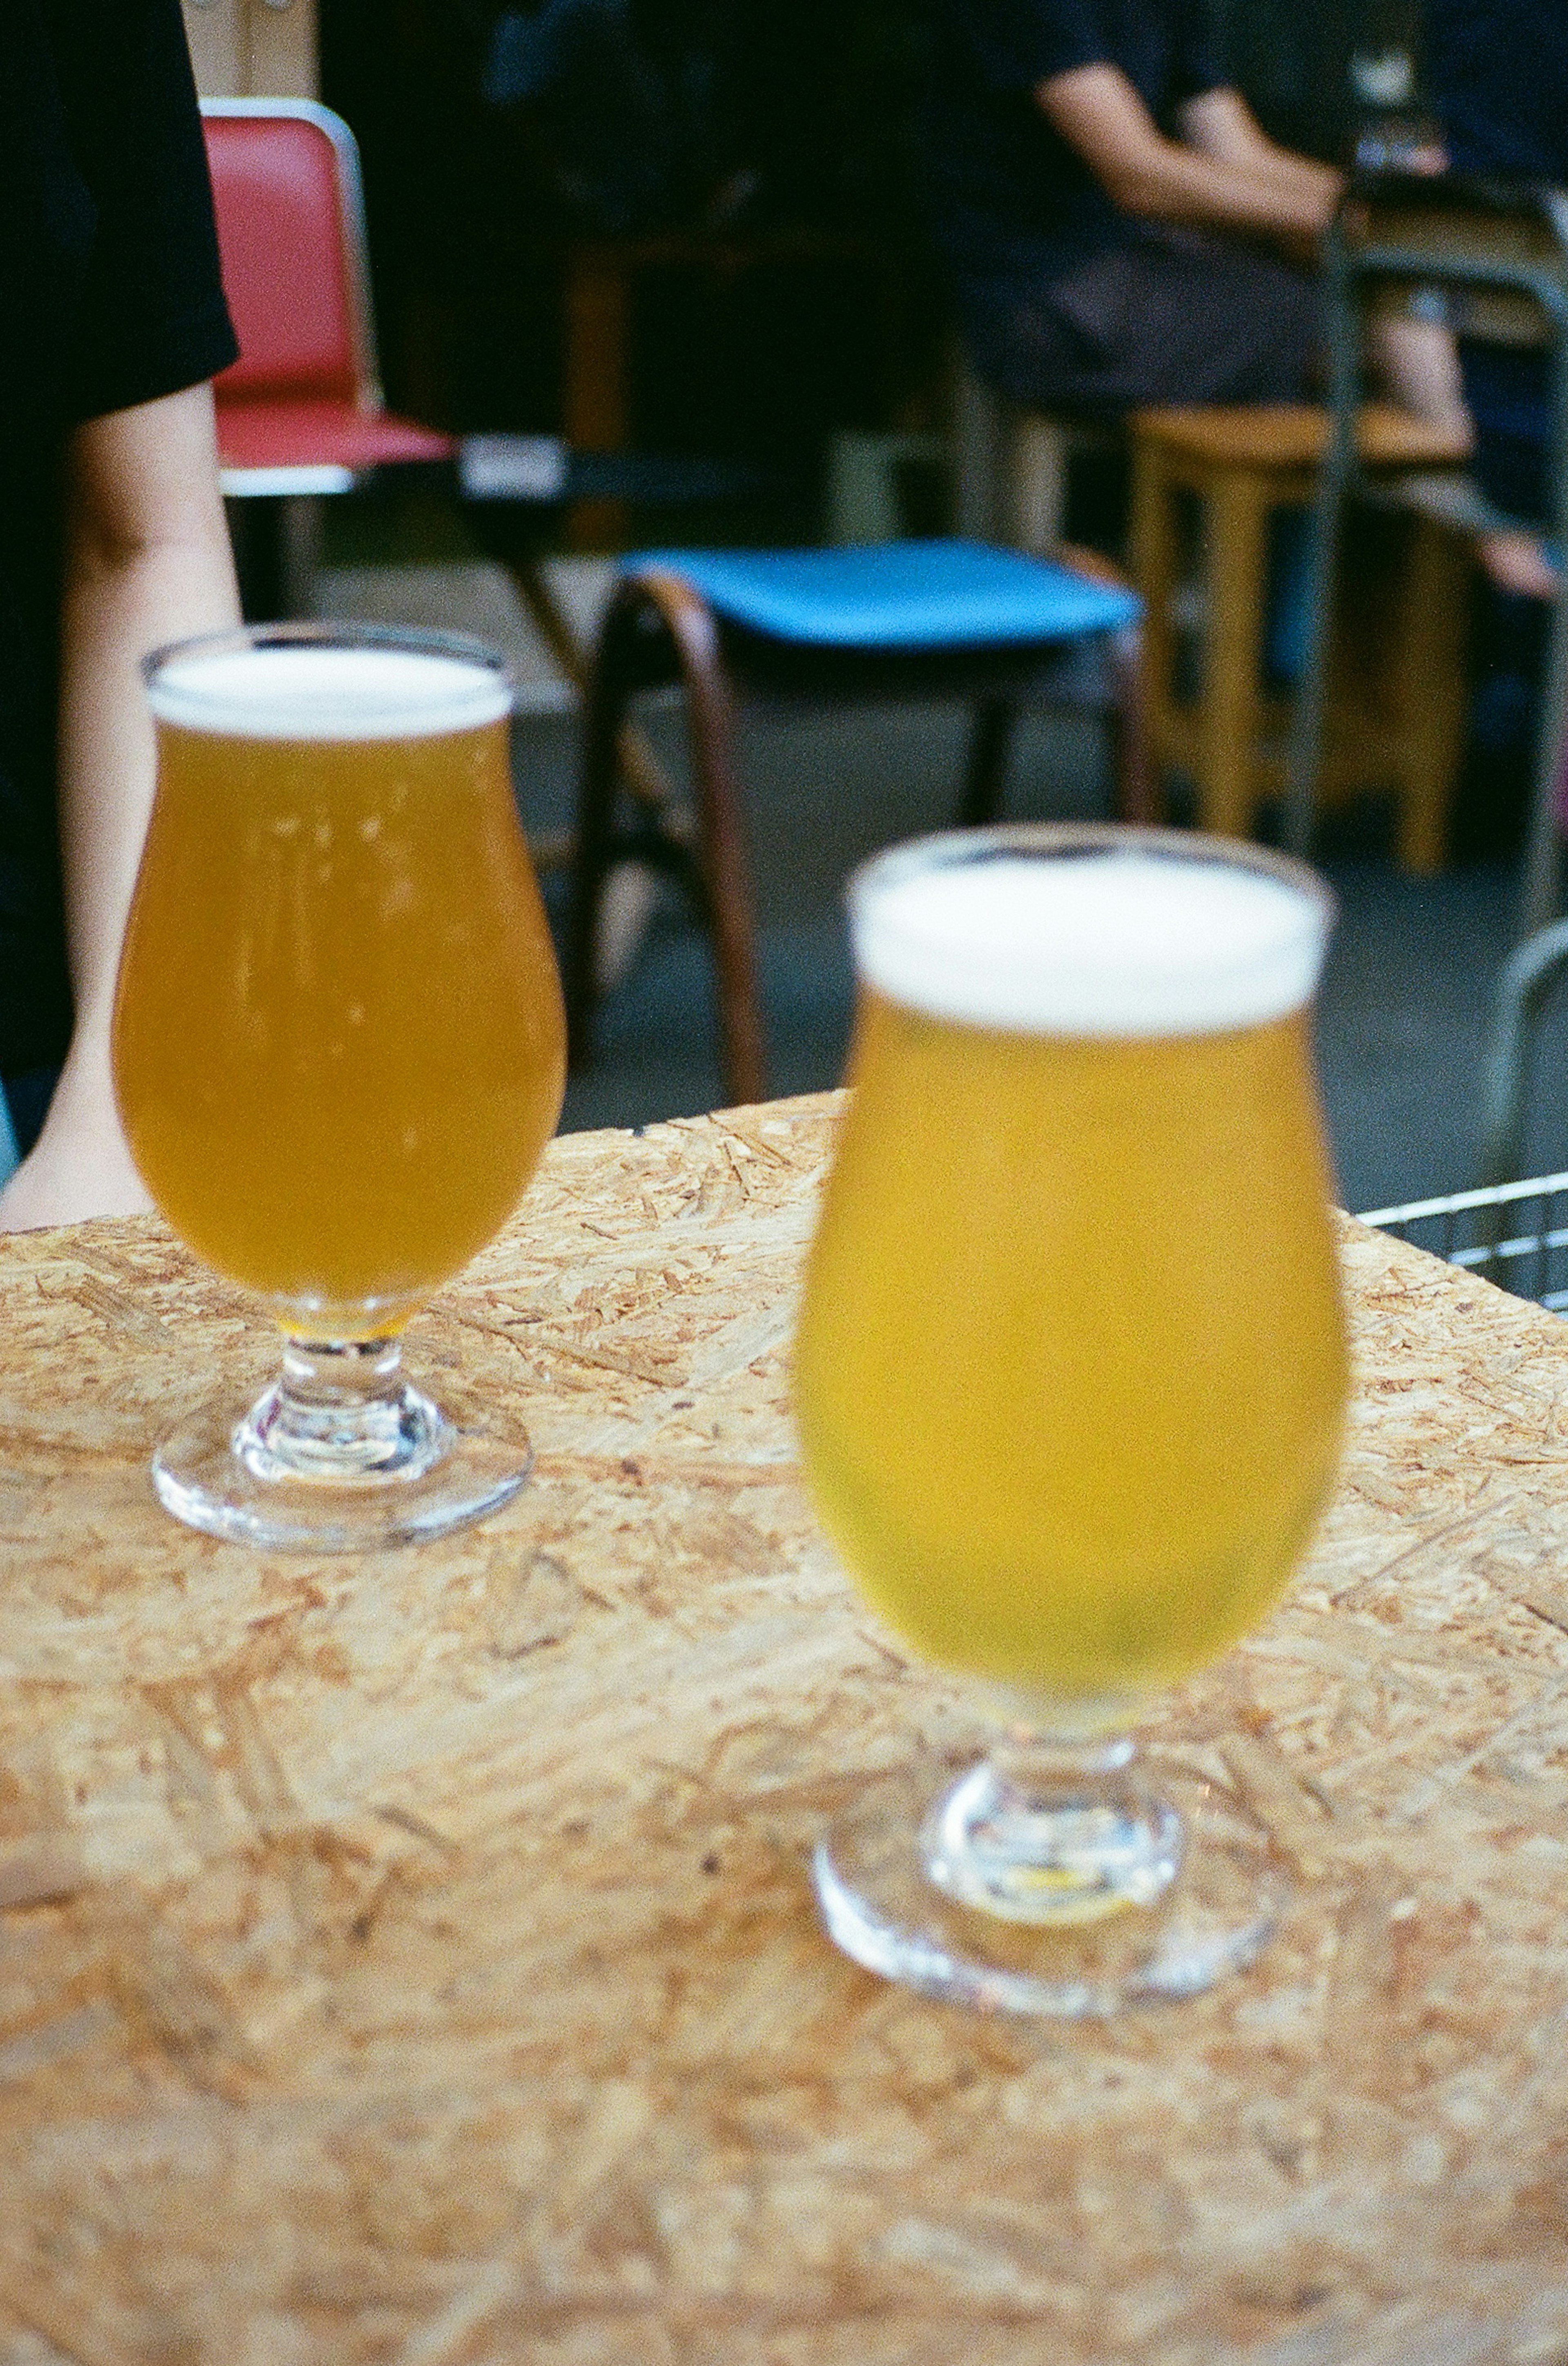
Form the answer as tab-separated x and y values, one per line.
283	690
1104	941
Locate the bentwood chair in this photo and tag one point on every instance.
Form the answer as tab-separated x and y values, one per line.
301	414
949	619
1501	254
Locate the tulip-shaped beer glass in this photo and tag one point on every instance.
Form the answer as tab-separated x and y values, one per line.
338	1051
1071	1378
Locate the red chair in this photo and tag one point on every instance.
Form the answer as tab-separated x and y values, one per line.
301	412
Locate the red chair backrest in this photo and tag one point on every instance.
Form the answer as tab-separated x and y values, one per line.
288	237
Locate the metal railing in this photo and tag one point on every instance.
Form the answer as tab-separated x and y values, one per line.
1513	1234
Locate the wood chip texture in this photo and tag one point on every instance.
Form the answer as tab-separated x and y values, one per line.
410	1961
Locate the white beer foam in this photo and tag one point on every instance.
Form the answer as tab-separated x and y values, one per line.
1112	944
296	692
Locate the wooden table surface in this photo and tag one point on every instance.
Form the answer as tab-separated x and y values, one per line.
411	1959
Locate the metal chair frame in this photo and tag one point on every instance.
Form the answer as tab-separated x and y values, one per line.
1523	989
1506	249
1514	1235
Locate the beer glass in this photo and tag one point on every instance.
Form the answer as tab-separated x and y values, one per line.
338	1051
1069	1382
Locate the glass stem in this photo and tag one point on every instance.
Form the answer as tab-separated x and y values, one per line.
1052	1830
341	1413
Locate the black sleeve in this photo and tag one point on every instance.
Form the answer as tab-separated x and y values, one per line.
1017	44
151	316
1197	66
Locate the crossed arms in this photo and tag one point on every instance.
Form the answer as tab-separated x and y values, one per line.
1222	172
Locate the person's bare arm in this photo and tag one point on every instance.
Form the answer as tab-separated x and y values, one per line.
1098	112
1415	360
147	561
1222	126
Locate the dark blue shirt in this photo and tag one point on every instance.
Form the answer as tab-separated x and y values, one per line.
1499	71
1499	75
1007	190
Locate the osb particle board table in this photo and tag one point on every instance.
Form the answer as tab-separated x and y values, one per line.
411	1959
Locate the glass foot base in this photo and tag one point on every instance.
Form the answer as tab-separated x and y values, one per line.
1164	1935
411	1473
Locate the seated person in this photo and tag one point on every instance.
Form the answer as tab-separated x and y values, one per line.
1120	229
1499	75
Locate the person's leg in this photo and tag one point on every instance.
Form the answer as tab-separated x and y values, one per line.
1200	320
1155	317
1023	349
1416	363
1509	395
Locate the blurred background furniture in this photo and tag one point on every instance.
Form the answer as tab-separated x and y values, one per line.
1525	988
604	277
781	376
1514	1234
924	621
1503	255
1011	467
1398	718
301	414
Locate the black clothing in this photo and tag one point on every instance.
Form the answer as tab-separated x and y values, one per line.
1009	189
110	296
1065	302
1152	315
1499	75
1508	394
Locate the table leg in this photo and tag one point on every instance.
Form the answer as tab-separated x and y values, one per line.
1235	518
1430	692
595	407
1154	561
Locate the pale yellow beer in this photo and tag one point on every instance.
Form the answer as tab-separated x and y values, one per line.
1071	1367
339	1048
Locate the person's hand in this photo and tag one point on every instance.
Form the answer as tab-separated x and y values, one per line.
1519	563
80	1166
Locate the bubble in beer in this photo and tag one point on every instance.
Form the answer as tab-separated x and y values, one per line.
283	690
1105	942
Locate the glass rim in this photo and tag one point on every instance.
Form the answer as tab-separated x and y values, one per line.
313	632
945	849
318	679
1074	985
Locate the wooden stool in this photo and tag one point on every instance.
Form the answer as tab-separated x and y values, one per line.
1397	710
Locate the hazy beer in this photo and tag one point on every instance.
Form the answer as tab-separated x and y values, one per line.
1070	1370
338	1038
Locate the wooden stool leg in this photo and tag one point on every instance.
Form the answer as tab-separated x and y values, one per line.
1135	783
721	857
1430	692
1154	558
985	777
1236	517
594	397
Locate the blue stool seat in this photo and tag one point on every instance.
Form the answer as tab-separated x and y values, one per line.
901	621
905	596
